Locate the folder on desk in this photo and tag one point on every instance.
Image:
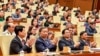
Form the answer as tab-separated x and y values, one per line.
66	49
86	49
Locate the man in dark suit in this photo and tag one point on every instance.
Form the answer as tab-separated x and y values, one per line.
63	18
43	43
91	29
84	40
20	42
17	14
66	40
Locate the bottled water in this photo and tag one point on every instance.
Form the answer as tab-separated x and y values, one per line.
21	53
46	52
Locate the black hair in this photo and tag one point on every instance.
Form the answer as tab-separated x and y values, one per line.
29	32
7	18
33	21
29	12
8	0
69	9
68	16
63	31
30	29
18	9
8	26
3	5
26	7
7	4
92	23
87	19
82	34
76	14
45	13
28	0
64	8
41	29
18	29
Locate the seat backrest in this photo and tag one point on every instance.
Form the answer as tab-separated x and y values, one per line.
97	39
5	44
33	48
56	19
0	40
75	38
1	26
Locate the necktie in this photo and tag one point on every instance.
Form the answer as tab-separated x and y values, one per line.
70	41
23	42
11	33
87	43
47	43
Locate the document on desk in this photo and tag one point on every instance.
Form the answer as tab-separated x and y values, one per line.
95	49
52	53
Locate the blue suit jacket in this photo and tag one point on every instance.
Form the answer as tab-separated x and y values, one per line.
90	31
15	16
41	45
63	42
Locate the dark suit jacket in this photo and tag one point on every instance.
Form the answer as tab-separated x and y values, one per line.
41	45
62	18
28	16
63	42
5	27
90	31
54	13
83	43
46	24
16	46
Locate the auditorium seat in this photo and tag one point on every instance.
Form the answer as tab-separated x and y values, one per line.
5	44
97	39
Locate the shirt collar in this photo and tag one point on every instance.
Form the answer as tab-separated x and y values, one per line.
9	32
22	38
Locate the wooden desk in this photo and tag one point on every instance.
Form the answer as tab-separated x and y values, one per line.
83	54
52	1
87	54
55	28
0	52
24	20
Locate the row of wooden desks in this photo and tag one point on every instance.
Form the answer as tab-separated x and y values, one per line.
82	54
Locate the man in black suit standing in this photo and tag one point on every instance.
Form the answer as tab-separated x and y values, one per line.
20	42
